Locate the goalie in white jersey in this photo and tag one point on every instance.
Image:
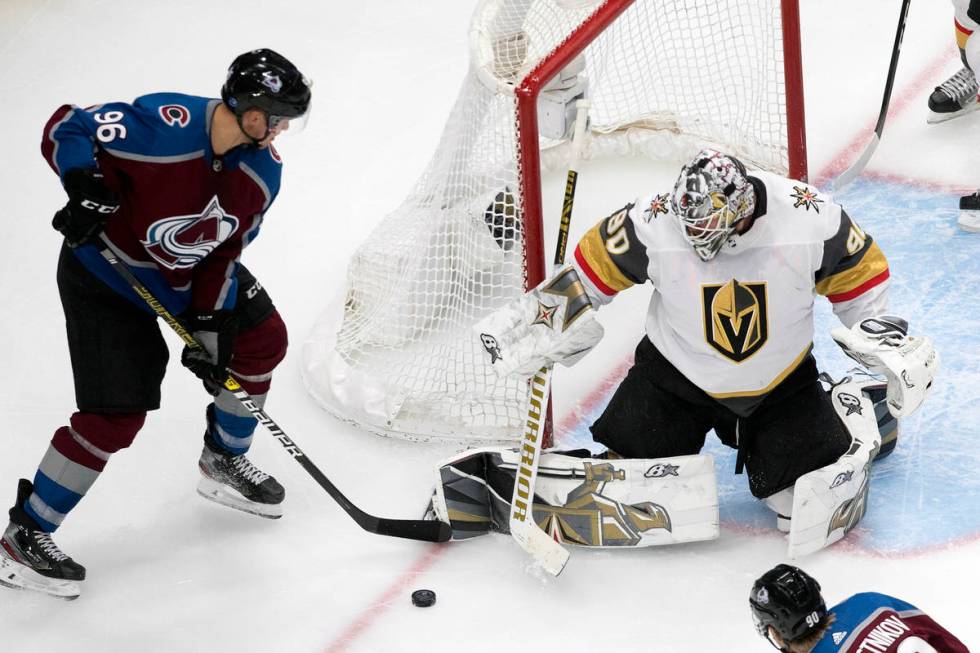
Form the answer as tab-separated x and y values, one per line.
735	260
729	331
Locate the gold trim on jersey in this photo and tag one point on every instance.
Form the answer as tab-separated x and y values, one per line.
769	388
736	318
872	264
594	251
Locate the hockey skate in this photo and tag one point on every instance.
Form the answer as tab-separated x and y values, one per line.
969	218
954	97
29	558
235	482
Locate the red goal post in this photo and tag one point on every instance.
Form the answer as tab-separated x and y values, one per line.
664	77
527	115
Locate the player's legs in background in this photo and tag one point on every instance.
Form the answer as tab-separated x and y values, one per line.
958	94
228	477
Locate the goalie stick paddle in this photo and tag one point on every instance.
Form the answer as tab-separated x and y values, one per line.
858	166
412	529
548	553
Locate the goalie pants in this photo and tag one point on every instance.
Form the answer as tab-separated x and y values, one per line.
118	358
657	413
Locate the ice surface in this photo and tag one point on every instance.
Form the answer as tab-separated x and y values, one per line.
170	572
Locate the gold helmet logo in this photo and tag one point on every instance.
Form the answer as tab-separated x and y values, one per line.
736	321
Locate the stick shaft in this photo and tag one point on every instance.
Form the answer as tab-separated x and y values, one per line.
426	530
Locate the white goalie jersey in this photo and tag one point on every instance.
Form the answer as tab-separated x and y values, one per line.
739	324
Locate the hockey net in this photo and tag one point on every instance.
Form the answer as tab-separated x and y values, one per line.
396	354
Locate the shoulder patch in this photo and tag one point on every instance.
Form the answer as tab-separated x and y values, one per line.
805	197
175	114
658	204
274	153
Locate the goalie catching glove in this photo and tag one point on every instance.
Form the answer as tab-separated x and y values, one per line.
883	346
554	323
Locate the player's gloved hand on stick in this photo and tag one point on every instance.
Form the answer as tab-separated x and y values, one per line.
216	331
883	346
90	203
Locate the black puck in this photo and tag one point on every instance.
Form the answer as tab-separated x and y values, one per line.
423	598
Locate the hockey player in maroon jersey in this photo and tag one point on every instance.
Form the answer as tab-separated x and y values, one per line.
176	186
789	611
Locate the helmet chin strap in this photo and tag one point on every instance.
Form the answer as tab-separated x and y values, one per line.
254	141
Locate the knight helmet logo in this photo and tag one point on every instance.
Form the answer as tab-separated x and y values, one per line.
736	318
182	241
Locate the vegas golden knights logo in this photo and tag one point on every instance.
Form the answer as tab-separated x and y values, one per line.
736	318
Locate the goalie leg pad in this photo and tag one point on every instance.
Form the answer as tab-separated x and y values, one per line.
830	501
584	501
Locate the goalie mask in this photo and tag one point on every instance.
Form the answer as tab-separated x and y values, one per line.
712	195
789	600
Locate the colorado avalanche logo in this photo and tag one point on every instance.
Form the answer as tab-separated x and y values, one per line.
175	114
271	81
182	241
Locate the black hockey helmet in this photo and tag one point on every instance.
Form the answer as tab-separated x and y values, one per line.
789	600
266	80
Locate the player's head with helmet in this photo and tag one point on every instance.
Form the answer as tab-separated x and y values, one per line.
788	609
264	81
712	198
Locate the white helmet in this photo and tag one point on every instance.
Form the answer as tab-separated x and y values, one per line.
712	195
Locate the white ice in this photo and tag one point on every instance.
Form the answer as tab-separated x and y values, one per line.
170	572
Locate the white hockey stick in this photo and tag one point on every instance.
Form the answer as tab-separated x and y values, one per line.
551	555
857	167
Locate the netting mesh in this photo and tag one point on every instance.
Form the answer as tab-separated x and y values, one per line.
663	79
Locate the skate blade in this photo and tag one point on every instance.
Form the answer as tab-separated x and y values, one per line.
969	224
934	118
230	498
21	577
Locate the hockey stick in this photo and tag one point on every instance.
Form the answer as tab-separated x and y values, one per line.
551	555
857	167
412	529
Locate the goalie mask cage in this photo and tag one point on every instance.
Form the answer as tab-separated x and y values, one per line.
397	354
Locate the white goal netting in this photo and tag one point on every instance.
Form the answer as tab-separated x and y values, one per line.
396	355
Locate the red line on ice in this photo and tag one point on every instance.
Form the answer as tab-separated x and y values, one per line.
926	78
380	605
386	599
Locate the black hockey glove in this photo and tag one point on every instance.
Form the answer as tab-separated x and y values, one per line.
90	203
216	331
